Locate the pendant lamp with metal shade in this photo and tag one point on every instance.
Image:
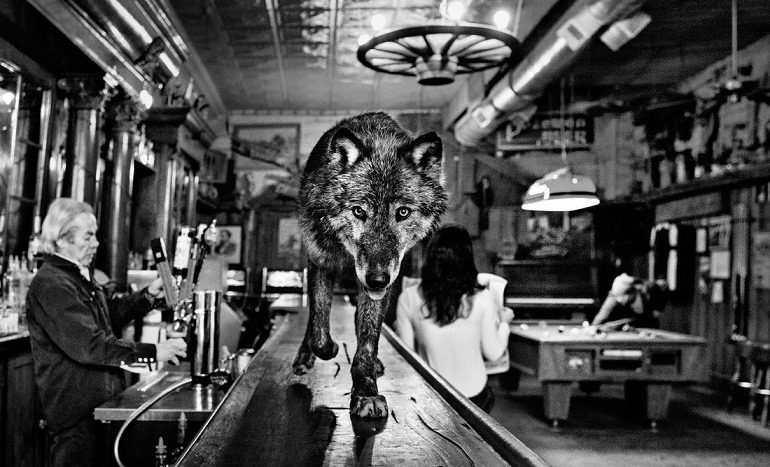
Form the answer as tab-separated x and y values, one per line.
561	190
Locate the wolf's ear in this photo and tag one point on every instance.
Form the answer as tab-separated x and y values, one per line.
345	148
427	152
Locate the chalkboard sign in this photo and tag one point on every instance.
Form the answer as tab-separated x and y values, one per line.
544	132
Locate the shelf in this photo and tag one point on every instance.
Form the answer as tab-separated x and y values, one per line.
746	175
547	262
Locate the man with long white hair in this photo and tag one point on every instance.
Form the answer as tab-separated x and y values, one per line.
77	357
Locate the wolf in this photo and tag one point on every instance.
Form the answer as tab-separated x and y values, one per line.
369	192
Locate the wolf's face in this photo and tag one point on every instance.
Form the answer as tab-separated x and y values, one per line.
390	204
387	195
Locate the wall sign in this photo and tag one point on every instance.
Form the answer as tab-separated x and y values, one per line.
544	132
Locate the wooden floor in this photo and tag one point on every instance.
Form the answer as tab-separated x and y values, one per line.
273	417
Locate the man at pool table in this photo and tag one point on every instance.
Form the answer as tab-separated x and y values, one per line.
638	303
648	362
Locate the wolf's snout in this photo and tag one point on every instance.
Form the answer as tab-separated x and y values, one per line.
377	280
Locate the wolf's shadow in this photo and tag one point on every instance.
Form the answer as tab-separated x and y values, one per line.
309	432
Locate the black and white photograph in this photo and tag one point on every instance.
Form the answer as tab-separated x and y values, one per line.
385	233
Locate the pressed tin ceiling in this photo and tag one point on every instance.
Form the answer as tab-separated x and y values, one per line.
301	54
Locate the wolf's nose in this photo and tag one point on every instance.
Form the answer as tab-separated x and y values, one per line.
377	280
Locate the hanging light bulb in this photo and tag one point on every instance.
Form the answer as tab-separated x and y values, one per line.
501	18
364	38
378	22
453	10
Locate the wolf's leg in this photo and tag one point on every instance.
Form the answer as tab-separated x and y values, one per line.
321	288
305	360
317	339
379	368
365	400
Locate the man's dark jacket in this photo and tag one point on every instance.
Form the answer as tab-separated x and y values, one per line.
75	352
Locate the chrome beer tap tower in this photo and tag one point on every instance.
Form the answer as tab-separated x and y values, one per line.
195	312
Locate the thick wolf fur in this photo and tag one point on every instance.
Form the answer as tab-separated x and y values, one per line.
369	192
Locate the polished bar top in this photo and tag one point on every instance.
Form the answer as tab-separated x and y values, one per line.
196	403
273	417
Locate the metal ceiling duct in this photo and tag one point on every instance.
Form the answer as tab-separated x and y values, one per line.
555	52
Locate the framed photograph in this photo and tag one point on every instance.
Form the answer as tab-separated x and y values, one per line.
213	167
277	143
229	243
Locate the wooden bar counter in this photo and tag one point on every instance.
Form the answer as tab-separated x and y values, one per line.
273	417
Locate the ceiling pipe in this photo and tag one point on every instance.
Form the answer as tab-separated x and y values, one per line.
549	59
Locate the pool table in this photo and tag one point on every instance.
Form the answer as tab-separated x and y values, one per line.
647	361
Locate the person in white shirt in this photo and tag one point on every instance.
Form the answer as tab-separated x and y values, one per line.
451	320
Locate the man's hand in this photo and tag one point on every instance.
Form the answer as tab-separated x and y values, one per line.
155	289
171	350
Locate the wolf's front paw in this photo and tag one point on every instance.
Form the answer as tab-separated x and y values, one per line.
369	406
304	361
379	368
326	350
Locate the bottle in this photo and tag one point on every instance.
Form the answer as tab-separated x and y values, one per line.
25	280
11	283
33	251
160	453
147	260
181	434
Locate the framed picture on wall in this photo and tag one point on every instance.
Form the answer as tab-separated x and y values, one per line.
277	143
289	244
213	167
229	243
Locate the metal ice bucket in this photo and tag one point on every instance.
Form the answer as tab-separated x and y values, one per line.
205	338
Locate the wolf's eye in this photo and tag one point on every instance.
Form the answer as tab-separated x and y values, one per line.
359	212
402	213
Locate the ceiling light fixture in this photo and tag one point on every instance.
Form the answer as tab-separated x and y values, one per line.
435	53
561	190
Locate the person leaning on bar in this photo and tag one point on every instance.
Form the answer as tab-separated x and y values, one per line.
77	357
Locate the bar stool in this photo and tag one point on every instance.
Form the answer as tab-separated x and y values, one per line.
743	350
760	389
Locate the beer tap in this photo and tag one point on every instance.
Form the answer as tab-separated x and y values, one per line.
189	256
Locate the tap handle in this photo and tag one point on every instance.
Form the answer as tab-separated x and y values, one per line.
170	292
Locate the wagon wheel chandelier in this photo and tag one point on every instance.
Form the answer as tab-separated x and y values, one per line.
435	53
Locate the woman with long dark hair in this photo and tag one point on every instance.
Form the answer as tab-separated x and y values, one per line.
450	319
